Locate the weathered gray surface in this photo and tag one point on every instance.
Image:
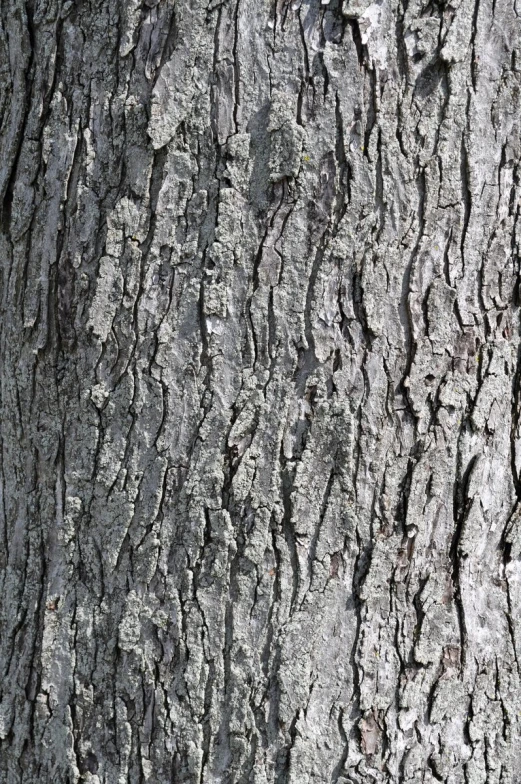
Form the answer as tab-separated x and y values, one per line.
260	392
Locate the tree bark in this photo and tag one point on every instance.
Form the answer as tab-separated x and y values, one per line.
260	434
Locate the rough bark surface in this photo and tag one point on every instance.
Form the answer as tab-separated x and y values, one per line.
260	391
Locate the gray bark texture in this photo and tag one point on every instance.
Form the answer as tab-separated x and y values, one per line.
260	426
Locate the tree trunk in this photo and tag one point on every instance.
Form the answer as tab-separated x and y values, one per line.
260	392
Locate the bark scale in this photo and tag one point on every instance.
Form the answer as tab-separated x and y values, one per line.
260	442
